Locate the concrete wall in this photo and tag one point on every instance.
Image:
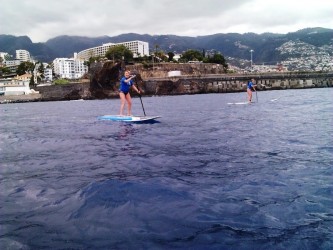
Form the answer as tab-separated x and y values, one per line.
231	84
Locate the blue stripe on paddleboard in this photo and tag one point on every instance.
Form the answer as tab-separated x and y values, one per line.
127	118
115	118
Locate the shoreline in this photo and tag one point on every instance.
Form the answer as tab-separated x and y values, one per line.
11	99
20	98
183	85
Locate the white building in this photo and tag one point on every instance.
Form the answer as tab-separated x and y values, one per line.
177	57
12	63
269	68
69	68
23	55
3	55
138	48
17	86
48	74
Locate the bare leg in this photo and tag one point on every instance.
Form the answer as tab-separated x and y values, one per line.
249	95
122	102
129	104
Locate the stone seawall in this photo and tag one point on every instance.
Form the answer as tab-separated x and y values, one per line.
227	84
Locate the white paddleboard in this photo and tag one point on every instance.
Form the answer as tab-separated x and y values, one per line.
123	118
238	103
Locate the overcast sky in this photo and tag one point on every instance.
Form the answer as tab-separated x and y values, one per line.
45	19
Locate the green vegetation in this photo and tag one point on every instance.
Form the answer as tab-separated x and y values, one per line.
32	82
121	53
191	55
4	71
218	59
25	67
118	53
61	81
171	56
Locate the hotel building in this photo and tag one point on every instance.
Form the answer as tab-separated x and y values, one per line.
23	55
69	68
138	48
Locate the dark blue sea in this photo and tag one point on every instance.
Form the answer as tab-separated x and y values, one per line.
207	175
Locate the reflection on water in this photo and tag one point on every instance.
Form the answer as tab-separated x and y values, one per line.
126	130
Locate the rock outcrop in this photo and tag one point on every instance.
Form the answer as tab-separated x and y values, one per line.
104	79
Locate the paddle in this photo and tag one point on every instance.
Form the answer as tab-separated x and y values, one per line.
142	105
140	98
256	95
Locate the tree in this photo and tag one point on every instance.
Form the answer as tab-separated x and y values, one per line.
4	70
192	55
25	67
170	55
40	70
118	53
218	59
92	60
32	82
160	56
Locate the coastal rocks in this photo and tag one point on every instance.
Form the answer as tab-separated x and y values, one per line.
104	79
20	98
71	91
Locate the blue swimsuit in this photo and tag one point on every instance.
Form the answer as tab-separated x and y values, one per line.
250	85
125	86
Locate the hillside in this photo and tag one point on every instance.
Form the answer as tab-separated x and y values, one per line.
268	47
41	51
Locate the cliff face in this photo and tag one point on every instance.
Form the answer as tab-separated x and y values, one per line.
189	69
103	83
104	79
65	92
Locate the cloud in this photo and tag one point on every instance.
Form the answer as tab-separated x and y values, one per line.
45	19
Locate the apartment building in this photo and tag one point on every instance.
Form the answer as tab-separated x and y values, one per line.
23	55
48	74
138	48
69	68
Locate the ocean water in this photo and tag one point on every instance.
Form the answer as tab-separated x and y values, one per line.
207	175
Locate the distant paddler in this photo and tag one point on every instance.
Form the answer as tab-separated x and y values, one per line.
250	88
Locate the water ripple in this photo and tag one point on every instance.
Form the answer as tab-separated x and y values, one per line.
207	176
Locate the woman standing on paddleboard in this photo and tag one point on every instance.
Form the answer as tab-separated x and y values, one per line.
250	88
126	83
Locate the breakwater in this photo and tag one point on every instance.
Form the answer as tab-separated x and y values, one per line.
224	83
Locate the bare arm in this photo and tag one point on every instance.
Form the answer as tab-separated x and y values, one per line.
128	79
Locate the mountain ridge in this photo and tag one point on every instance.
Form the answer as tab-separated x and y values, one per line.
234	45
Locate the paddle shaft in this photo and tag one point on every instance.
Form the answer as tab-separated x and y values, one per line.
142	105
137	86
